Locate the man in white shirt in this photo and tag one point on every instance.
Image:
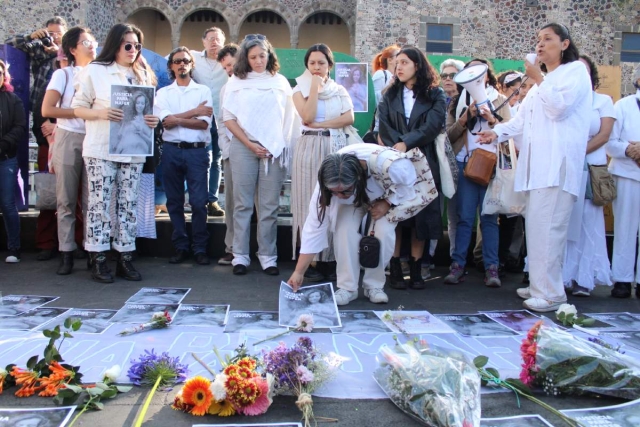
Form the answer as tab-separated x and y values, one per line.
624	149
209	72
184	108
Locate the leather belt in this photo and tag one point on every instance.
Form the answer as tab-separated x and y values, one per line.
184	144
316	132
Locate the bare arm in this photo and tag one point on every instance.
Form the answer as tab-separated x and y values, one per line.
601	138
174	120
345	119
50	106
111	114
237	131
304	261
200	110
308	107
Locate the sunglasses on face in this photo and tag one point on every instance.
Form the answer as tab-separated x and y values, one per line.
254	37
129	46
181	61
445	76
89	43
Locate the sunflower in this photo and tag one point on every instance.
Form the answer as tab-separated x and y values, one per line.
223	408
196	392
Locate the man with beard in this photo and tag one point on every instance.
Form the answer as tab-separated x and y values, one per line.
185	108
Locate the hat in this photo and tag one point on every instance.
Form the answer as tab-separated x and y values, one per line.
511	77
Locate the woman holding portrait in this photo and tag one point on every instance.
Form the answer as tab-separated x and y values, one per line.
134	137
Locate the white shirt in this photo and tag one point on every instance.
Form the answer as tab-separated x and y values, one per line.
93	90
320	112
62	82
174	99
554	123
602	107
224	134
210	73
625	129
314	235
381	79
409	101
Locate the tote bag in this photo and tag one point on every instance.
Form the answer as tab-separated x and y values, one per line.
500	197
448	165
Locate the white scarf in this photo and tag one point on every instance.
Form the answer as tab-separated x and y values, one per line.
263	106
492	94
337	101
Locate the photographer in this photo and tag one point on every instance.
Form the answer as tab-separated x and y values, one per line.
42	47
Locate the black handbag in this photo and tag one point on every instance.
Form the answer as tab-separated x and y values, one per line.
369	250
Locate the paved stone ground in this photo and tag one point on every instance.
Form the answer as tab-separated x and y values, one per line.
257	291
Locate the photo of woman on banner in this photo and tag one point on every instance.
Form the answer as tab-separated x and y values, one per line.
134	137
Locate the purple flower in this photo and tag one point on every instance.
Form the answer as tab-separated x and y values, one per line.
150	365
285	363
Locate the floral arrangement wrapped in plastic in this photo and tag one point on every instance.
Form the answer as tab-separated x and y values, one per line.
436	386
564	364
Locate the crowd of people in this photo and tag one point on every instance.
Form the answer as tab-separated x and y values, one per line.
229	109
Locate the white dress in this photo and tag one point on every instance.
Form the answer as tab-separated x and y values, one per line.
586	261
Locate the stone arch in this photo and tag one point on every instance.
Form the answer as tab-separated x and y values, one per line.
270	5
337	8
181	14
130	9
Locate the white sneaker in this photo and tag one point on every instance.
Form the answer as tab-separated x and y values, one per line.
344	297
542	305
524	293
425	272
376	296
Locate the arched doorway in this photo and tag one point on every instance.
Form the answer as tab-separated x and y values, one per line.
195	24
156	29
327	28
270	24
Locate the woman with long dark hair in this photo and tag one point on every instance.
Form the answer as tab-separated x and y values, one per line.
13	128
117	64
411	114
554	120
79	47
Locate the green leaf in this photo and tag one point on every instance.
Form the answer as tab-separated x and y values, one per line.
108	394
587	321
480	361
65	392
68	335
494	372
103	386
570	318
76	325
519	385
31	363
67	322
95	391
417	396
74	388
123	388
560	316
97	405
46	333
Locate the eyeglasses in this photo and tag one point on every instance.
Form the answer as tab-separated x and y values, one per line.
255	37
88	43
445	76
343	192
181	61
55	33
129	46
210	39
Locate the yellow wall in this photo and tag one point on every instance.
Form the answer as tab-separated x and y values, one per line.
334	36
277	34
157	33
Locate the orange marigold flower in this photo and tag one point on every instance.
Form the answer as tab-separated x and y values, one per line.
197	392
247	362
231	370
248	393
232	384
244	373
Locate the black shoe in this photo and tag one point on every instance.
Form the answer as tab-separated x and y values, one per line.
637	291
502	272
271	271
46	254
125	269
202	258
179	257
313	275
66	263
525	278
621	290
239	270
99	270
415	274
396	277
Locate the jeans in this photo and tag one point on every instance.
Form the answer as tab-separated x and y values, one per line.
8	181
469	198
213	174
190	164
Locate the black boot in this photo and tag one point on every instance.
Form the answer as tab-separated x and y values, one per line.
125	269
415	274
99	269
396	278
66	263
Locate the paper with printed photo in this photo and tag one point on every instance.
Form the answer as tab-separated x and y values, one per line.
31	319
142	313
12	305
414	322
360	322
250	425
516	421
518	320
93	321
628	338
623	415
353	77
201	315
622	321
158	296
316	300
131	136
242	321
476	325
36	417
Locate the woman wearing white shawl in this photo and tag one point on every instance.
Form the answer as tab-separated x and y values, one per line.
326	112
258	110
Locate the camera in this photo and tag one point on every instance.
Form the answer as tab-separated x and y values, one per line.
45	41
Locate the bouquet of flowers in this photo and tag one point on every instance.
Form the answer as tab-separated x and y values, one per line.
564	364
239	388
159	320
435	386
299	370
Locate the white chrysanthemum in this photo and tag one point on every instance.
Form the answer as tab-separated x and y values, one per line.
217	388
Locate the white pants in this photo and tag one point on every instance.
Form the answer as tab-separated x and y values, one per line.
626	217
547	223
346	241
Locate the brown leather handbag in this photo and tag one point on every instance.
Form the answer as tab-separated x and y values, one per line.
481	166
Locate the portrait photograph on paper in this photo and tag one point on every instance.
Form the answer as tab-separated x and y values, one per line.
158	296
476	325
201	315
31	319
142	313
243	321
36	417
353	77
93	321
360	322
131	136
12	305
315	300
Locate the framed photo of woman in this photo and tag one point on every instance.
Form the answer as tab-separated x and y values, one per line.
131	136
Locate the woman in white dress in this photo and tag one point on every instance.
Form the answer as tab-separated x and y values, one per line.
586	262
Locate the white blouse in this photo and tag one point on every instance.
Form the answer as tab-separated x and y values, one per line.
554	123
625	129
602	107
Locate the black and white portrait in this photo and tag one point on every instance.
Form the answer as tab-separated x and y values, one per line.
31	319
142	313
517	421
623	321
360	322
36	417
316	300
627	338
623	415
242	321
131	136
475	325
517	320
93	321
251	425
158	296
201	315
12	305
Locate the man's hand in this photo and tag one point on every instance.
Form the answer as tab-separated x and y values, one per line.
38	34
170	122
47	128
202	110
633	150
379	208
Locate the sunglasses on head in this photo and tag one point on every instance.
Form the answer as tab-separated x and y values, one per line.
445	76
254	37
89	43
181	61
129	46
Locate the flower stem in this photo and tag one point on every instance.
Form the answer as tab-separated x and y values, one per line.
204	365
270	338
566	419
84	409
147	402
